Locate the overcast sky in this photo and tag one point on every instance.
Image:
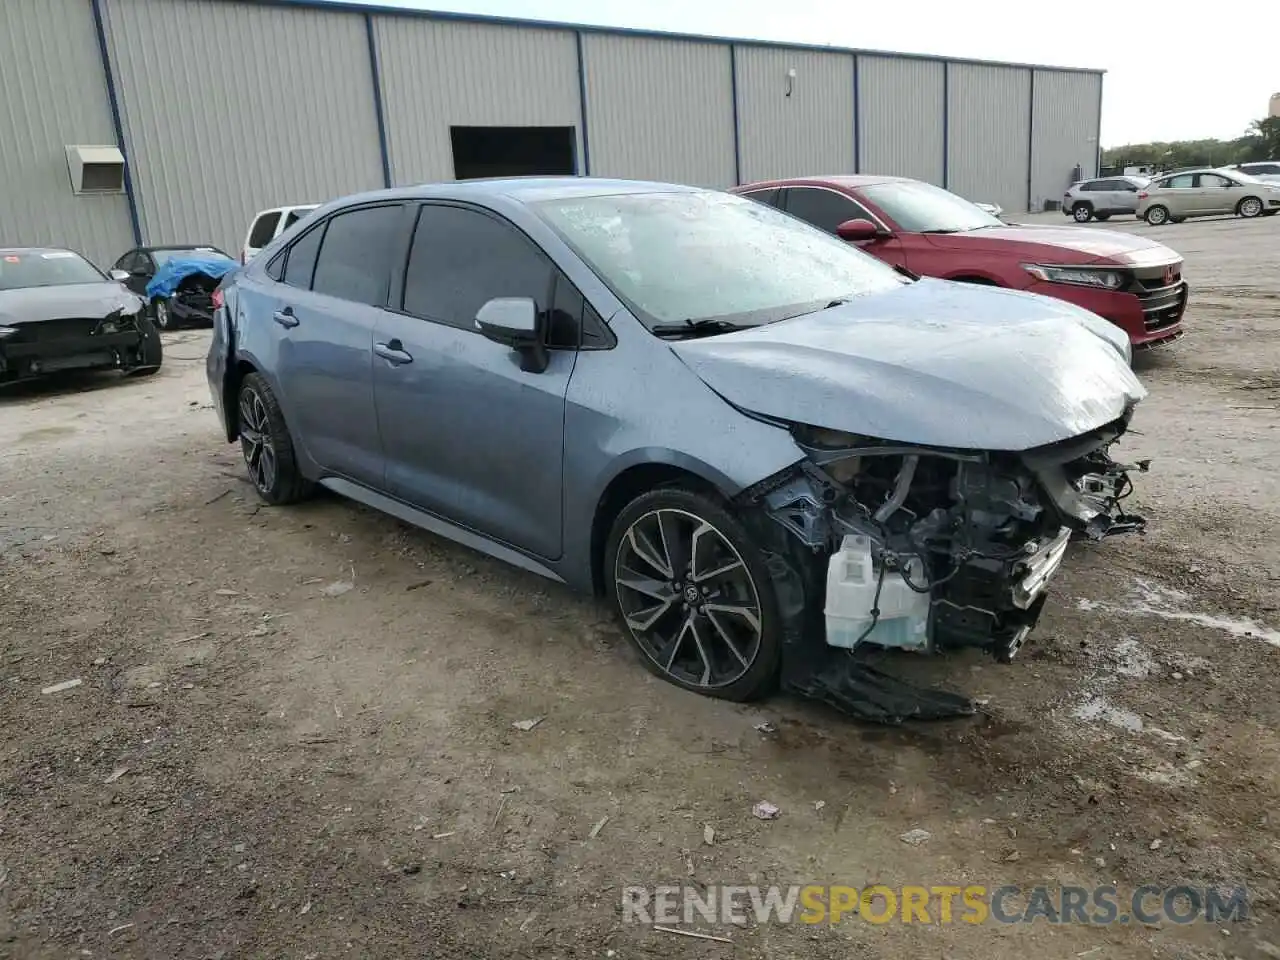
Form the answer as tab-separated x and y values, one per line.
1169	76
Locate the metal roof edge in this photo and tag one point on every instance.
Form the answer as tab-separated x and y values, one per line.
446	16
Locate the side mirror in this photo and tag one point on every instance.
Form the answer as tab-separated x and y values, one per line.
857	230
120	276
514	322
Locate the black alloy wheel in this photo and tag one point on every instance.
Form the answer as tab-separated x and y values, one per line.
266	444
694	595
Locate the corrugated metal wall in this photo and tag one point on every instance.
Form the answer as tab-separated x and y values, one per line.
900	117
229	108
1065	133
808	132
659	109
55	95
441	74
989	133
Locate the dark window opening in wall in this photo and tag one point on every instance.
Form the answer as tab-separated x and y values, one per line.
512	151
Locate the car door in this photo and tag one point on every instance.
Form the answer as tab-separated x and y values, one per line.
826	209
334	287
468	434
1181	195
1126	196
1220	194
1110	196
132	264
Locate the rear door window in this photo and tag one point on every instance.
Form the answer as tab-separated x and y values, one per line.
1183	181
354	260
264	229
825	209
461	259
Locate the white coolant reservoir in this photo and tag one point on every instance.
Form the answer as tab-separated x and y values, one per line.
851	593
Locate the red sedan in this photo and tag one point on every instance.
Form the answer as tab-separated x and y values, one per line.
1133	282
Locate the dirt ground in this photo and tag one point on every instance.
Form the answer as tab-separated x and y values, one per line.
293	737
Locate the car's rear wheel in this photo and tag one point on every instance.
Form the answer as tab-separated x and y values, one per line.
1157	215
1082	213
266	444
694	595
1249	207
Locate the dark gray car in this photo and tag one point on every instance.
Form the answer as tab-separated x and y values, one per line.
690	403
60	312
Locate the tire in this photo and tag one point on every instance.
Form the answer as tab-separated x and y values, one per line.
1103	217
1081	213
1157	215
150	350
1250	207
164	317
715	630
267	446
1177	219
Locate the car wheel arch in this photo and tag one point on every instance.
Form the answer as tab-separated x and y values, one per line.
982	280
638	478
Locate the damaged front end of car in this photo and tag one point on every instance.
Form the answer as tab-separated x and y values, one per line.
924	549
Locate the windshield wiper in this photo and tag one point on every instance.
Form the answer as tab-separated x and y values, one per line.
909	274
940	230
693	328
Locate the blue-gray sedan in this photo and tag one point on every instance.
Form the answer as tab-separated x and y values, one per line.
763	446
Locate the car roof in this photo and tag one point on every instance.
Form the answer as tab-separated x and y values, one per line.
848	181
15	251
519	189
180	246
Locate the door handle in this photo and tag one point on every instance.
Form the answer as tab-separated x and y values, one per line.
285	317
393	352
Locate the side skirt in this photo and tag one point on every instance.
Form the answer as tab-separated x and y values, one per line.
433	524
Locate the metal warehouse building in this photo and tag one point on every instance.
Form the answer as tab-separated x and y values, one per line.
171	121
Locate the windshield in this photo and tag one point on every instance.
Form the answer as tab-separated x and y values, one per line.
162	257
675	258
923	208
46	268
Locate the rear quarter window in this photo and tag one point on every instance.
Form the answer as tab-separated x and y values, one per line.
264	229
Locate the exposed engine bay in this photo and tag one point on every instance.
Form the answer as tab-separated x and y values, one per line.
928	549
192	301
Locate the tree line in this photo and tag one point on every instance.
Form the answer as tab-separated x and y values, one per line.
1260	142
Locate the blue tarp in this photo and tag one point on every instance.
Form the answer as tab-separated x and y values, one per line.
176	269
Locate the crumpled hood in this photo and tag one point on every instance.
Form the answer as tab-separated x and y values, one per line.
89	300
1063	244
931	363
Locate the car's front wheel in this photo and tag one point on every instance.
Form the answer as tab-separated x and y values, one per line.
164	316
266	444
1250	207
1157	215
694	595
1081	213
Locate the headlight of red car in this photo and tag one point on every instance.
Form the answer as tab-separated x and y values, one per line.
1081	276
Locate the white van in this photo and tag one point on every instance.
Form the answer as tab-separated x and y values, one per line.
269	224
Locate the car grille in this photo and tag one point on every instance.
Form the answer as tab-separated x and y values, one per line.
67	328
1163	299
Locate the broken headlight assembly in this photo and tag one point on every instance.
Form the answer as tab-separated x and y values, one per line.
929	548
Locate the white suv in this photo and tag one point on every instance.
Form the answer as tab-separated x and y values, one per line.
269	224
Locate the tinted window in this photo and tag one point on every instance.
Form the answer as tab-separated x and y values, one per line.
822	208
293	217
769	196
1091	185
302	258
460	259
275	269
264	229
354	260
